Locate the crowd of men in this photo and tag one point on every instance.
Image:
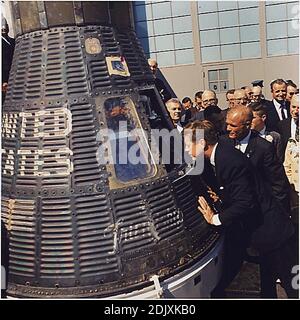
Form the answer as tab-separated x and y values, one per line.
251	151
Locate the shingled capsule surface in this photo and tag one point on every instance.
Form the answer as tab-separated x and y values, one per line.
80	226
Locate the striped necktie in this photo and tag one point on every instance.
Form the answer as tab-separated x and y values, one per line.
282	107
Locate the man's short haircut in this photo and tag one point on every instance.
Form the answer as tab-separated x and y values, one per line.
153	61
291	83
210	111
296	95
210	133
173	100
259	108
210	91
230	91
186	99
198	94
242	110
277	81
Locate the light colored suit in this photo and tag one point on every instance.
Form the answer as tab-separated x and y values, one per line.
291	165
291	162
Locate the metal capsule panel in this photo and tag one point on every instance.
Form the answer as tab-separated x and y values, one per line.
78	226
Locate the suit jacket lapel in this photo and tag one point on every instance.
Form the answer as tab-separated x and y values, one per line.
289	128
219	157
287	107
274	112
210	176
217	163
251	145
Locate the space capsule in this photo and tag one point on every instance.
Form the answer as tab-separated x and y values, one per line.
80	226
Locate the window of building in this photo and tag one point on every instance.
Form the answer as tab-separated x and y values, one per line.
218	80
165	31
282	27
229	30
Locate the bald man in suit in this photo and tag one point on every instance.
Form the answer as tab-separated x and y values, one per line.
273	237
260	152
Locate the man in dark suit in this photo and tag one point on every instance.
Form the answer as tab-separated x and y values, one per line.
244	211
160	86
198	100
174	109
209	98
272	239
277	108
188	110
226	172
8	46
289	128
257	95
240	98
260	152
291	89
196	112
259	125
230	98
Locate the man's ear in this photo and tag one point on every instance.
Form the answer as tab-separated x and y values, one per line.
204	145
264	118
201	143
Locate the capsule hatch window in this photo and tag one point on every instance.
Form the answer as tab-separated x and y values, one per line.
130	155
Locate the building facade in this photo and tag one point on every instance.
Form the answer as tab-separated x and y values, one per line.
220	44
217	44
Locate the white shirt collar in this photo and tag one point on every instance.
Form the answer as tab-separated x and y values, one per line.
276	104
244	142
262	132
278	109
246	139
293	128
179	127
212	156
3	38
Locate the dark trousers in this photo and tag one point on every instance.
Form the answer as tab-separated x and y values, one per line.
278	264
234	254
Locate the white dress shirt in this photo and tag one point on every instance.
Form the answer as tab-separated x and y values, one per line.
293	129
242	146
212	156
179	127
262	132
215	219
278	109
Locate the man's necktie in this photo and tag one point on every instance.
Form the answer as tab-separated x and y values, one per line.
282	112
214	169
297	131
